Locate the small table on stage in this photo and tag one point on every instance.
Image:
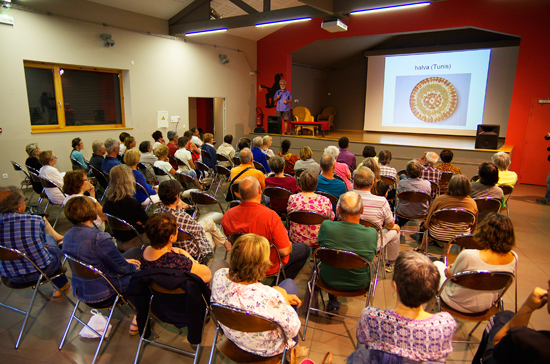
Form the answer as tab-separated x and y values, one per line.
318	125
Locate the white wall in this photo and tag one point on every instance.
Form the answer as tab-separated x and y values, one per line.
164	75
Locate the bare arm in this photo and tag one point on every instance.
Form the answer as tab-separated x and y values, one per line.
99	211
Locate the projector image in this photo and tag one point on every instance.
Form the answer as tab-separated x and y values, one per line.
334	26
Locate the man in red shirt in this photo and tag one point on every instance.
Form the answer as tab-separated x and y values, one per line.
172	146
253	217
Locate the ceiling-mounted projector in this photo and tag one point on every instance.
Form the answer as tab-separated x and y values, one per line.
334	26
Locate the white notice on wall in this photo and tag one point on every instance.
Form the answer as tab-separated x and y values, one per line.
162	119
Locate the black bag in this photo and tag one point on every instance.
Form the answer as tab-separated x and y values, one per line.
230	196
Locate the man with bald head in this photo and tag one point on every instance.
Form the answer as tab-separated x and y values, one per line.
259	155
253	217
347	234
246	158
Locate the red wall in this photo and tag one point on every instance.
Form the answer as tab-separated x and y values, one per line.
526	18
204	114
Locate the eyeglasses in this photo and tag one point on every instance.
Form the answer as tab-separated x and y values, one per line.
86	180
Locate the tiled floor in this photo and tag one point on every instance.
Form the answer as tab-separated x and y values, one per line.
46	327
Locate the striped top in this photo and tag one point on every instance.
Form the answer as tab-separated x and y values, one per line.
375	208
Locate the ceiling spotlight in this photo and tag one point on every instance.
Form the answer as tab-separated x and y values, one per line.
107	40
224	59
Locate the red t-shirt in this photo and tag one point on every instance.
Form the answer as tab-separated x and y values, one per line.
252	217
289	183
172	149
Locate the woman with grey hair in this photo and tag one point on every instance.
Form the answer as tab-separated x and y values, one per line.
407	331
505	177
121	203
33	165
340	169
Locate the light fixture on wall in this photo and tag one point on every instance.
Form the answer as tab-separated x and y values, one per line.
107	40
279	22
223	59
393	7
207	31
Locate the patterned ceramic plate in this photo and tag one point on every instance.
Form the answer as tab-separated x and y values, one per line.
433	99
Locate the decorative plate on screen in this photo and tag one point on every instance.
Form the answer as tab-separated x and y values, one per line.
433	99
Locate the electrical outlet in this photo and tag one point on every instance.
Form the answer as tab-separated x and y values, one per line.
5	175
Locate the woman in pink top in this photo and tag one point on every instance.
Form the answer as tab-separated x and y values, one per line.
308	200
340	169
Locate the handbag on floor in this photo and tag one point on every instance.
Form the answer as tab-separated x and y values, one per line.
96	322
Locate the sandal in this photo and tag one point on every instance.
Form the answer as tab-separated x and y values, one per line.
134	330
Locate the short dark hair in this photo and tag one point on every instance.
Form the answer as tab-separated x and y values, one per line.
382	188
157	135
413	168
488	174
144	146
228	139
10	199
73	181
188	134
496	232
384	157
243	144
80	209
369	151
416	278
123	136
169	191
459	186
159	228
446	155
308	181
277	164
182	141
343	142
285	146
75	142
193	130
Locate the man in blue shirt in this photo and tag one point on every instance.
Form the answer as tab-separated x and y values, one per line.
258	155
327	183
283	97
112	146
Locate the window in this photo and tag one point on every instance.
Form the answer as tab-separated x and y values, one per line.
73	98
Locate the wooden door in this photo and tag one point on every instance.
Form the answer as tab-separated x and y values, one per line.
534	162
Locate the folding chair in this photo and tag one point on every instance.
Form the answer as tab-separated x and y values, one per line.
150	203
278	193
77	165
27	179
382	252
507	190
402	172
185	180
480	280
85	271
223	159
333	199
160	172
236	161
344	260
117	223
267	157
259	167
243	321
232	204
304	217
475	178
464	241
202	198
37	185
436	190
391	182
173	160
102	178
338	177
9	254
444	181
206	170
148	173
413	196
49	184
280	269
221	174
298	172
485	205
243	139
166	294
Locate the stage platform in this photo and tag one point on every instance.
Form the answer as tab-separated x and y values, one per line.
403	147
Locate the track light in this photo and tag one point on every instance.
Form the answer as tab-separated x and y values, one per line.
279	22
393	7
207	31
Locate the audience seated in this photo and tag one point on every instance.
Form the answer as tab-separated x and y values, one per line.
195	150
368	152
377	209
237	174
161	152
33	150
508	340
188	168
147	158
266	143
379	187
158	138
277	165
406	334
76	183
505	177
239	286
122	148
346	156
172	147
129	143
347	234
308	200
327	183
496	235
205	234
131	159
227	150
259	156
290	159
252	217
384	159
208	146
306	161
31	235
98	151
76	153
112	148
119	202
413	182
457	196
340	169
195	137
429	172
447	157
486	185
242	145
48	171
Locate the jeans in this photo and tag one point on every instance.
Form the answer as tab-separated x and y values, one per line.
290	287
57	256
296	260
484	352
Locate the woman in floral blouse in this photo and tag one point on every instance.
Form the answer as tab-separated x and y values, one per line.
308	200
239	286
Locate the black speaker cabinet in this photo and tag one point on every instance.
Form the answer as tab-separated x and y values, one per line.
259	130
487	136
273	126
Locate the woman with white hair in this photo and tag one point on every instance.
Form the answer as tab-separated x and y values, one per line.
340	169
505	177
266	143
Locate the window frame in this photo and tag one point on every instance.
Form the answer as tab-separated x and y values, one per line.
58	88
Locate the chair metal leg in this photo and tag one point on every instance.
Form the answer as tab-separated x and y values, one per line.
68	325
213	350
309	304
474	329
142	337
57	218
28	313
105	330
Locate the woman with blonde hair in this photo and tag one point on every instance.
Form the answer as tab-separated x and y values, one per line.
132	158
379	188
306	161
340	169
129	143
161	152
121	203
239	286
266	143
